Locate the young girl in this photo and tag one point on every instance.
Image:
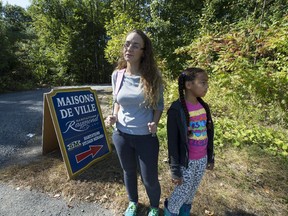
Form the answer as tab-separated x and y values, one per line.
137	110
190	140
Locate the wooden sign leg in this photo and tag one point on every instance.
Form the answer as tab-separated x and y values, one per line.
49	138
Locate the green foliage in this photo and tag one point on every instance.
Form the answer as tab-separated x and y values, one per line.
4	45
117	30
71	41
237	133
15	34
250	63
240	121
67	43
236	124
247	63
217	15
242	44
169	26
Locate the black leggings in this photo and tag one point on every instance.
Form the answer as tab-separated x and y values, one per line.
142	149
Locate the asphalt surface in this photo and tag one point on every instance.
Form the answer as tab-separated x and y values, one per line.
21	115
21	122
29	203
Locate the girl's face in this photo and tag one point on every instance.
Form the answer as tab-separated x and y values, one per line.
133	48
199	86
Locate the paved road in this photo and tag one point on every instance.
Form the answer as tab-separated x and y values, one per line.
28	203
21	122
21	116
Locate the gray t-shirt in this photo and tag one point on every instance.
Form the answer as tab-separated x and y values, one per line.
133	115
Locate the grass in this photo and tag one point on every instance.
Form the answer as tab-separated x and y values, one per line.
246	181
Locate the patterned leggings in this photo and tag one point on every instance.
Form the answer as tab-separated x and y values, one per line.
184	193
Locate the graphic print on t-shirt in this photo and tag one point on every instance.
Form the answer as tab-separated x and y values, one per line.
197	131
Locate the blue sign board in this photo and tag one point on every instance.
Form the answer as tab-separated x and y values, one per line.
79	127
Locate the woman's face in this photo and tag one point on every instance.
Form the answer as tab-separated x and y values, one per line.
133	48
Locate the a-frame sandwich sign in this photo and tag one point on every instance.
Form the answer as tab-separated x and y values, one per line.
72	119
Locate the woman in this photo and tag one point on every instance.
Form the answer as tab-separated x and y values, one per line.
137	109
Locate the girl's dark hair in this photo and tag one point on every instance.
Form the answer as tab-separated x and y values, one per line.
188	74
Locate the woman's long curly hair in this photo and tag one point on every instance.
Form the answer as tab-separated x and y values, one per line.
188	74
151	78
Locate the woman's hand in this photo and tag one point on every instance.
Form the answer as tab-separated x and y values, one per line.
152	126
110	120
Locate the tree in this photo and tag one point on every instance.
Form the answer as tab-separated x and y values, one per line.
169	24
5	55
71	40
14	38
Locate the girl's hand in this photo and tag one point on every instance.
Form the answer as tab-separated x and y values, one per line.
177	181
110	120
210	166
152	126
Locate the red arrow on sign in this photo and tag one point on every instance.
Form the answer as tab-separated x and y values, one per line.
92	151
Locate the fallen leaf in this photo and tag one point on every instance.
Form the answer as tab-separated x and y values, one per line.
210	213
57	195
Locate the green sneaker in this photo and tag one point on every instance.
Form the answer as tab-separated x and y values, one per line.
153	212
131	209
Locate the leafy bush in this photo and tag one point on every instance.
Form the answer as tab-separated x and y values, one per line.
237	123
249	62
